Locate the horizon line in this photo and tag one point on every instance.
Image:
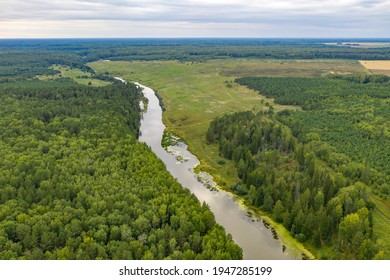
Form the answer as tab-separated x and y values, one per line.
186	38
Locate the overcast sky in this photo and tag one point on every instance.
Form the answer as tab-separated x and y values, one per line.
194	18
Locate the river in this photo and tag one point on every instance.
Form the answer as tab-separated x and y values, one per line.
252	236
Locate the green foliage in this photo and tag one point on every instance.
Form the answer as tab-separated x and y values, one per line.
297	182
21	64
76	184
316	93
363	79
160	101
352	117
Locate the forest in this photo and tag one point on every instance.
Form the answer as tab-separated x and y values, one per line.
18	65
76	184
196	50
351	113
315	170
314	191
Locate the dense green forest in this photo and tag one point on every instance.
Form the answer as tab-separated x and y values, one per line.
315	169
315	192
76	184
351	113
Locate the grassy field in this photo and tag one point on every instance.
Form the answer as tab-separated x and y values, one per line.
77	75
377	66
290	68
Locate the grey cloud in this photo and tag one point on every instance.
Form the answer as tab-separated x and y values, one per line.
203	11
280	14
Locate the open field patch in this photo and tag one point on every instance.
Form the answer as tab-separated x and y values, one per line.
289	68
377	66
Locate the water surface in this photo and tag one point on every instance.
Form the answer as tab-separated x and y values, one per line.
253	237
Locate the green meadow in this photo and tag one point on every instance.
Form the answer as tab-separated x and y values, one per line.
194	93
77	75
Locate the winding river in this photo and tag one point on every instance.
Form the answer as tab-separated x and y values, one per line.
253	237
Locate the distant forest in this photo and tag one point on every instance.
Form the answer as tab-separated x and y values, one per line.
87	50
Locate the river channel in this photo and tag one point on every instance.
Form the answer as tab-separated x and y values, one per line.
256	240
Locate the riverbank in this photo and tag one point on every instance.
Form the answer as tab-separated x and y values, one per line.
296	249
285	237
251	235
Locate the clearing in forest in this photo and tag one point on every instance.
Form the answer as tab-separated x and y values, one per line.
77	75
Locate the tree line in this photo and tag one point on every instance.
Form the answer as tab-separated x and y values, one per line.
198	49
